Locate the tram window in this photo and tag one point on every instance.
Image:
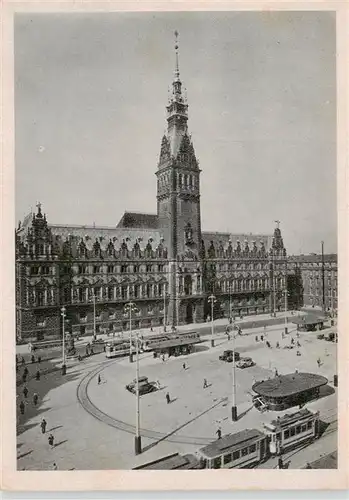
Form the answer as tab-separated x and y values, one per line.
304	427
252	448
244	452
227	458
310	424
278	436
298	429
236	455
286	434
292	431
217	463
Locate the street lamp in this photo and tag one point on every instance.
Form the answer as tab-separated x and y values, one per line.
234	413
138	443
130	307
63	314
212	299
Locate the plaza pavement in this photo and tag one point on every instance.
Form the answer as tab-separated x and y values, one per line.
87	443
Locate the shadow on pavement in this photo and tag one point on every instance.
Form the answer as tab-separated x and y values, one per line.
146	448
244	412
24	454
60	442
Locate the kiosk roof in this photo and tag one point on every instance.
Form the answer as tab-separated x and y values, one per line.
288	385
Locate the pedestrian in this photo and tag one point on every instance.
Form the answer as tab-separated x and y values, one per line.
21	407
99	379
292	340
25	392
168	399
205	384
276	373
256	338
43	425
26	371
51	441
277	345
39	359
219	433
163	357
24	378
35	398
33	359
54	466
37	376
79	357
319	362
262	338
151	329
280	463
184	366
23	362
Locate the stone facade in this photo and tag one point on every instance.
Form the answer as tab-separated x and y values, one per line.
164	263
314	271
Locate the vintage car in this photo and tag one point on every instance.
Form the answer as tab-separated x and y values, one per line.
245	363
228	356
144	386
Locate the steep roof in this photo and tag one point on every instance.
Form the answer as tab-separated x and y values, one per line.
138	220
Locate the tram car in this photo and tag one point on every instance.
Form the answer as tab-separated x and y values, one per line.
291	431
119	348
148	343
242	450
185	335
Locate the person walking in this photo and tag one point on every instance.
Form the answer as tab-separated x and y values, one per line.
99	379
43	425
35	398
51	440
25	392
280	463
163	357
37	376
277	345
262	338
168	399
26	371
276	373
184	366
23	361
205	383
256	338
21	407
33	359
219	433
39	359
54	466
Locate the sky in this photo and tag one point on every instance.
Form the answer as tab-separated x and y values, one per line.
90	97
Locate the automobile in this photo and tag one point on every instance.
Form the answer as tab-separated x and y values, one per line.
320	336
228	356
144	386
245	363
288	346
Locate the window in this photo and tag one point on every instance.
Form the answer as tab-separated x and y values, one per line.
82	330
98	328
110	269
34	270
81	294
110	292
66	295
161	268
278	436
252	448
298	429
227	459
217	463
309	425
136	291
45	270
83	316
41	321
124	325
124	292
136	269
244	452
123	269
304	428
236	455
96	269
97	291
148	268
292	431
286	434
82	269
111	315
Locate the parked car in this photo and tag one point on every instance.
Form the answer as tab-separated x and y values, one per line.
144	386
245	363
228	356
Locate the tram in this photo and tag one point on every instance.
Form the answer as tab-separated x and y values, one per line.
293	430
119	348
148	343
241	450
185	335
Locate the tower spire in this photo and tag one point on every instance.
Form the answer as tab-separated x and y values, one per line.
176	74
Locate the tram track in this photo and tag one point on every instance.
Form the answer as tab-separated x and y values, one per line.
100	415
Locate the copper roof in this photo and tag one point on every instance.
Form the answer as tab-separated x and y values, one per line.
289	385
138	220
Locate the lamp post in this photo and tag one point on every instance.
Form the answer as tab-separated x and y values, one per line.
63	314
234	413
212	299
129	308
138	443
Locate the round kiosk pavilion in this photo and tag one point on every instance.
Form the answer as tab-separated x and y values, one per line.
285	391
